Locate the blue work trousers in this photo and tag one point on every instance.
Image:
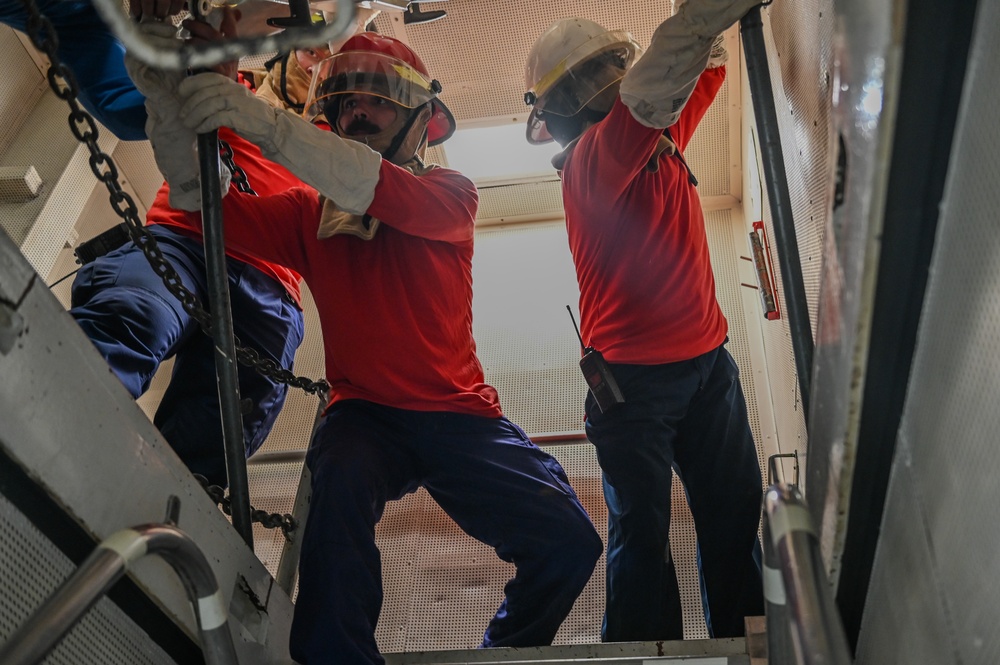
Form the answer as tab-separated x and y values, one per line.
96	57
690	416
484	473
136	324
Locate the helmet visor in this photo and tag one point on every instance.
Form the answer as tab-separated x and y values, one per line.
584	73
368	73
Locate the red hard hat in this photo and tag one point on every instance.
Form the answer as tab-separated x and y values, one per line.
375	64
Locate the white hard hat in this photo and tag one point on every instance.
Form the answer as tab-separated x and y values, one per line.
564	71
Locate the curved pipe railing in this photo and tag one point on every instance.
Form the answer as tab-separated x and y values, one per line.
105	566
802	618
206	55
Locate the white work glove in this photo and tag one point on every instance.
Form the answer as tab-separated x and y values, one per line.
658	86
174	145
346	172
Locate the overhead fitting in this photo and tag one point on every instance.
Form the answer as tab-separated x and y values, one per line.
198	56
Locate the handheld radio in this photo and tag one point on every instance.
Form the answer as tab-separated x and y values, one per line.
597	373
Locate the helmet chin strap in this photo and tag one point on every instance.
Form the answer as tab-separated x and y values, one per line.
403	136
406	142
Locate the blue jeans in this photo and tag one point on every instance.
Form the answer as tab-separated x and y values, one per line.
136	324
484	473
96	57
690	416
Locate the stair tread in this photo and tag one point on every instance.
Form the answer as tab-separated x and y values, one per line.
724	651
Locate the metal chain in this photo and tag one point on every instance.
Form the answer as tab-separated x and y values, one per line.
239	176
285	522
43	35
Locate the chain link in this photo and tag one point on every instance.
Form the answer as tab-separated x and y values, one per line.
287	523
63	83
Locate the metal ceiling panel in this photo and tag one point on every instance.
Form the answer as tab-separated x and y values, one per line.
478	51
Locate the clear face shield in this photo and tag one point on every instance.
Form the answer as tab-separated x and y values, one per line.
368	73
578	79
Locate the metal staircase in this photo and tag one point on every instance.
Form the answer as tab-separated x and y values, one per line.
75	444
79	461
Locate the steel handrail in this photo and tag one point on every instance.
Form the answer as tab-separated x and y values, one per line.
196	56
800	604
42	632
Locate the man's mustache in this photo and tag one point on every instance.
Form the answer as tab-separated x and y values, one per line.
360	125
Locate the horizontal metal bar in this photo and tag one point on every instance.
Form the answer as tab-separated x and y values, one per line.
297	455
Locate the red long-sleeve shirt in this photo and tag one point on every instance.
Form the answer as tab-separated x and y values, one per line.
396	310
647	292
263	178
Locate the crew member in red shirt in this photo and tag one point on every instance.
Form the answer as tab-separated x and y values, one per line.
647	304
386	248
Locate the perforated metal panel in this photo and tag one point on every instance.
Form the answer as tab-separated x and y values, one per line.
486	78
800	68
478	53
139	172
273	488
42	225
800	65
799	37
905	595
20	88
46	144
34	568
725	255
523	279
708	152
442	587
939	537
256	61
509	202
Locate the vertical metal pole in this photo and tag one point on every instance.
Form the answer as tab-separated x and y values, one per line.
776	181
222	334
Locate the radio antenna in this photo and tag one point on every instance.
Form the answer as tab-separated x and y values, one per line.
576	328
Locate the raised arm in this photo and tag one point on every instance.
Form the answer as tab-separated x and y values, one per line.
660	83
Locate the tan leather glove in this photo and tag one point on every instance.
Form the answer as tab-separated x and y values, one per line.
344	171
